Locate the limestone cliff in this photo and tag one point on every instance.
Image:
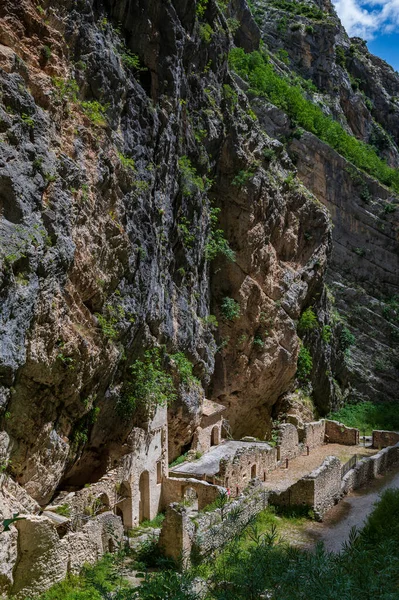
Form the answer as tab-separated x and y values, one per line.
149	199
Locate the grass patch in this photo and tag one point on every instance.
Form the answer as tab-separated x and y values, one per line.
367	416
156	523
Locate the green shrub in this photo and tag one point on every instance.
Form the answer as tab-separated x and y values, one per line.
346	339
326	334
368	416
190	181
184	368
304	364
230	309
308	321
216	243
206	32
340	56
126	161
264	81
95	112
201	7
242	177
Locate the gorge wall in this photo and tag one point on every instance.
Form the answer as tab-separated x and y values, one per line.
149	198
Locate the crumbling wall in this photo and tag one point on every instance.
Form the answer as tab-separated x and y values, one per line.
319	490
235	473
314	434
338	433
191	536
369	468
288	441
44	559
174	489
383	439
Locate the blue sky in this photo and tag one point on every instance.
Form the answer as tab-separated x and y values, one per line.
376	21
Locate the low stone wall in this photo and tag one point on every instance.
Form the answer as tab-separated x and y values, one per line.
338	433
190	537
174	489
369	468
313	434
319	490
383	439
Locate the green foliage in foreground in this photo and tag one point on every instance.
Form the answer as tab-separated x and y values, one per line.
264	81
367	416
258	564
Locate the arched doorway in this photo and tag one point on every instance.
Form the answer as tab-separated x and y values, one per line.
144	506
123	506
253	471
215	436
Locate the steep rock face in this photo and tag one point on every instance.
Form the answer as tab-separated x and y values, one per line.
363	271
112	134
277	273
123	134
359	89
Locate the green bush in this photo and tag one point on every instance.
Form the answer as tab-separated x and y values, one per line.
190	181
149	384
264	81
230	309
346	339
216	243
304	364
368	416
95	112
308	321
184	368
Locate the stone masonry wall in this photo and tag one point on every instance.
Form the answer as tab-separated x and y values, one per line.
202	441
314	434
44	559
288	441
235	473
338	433
201	534
369	468
319	490
173	490
383	439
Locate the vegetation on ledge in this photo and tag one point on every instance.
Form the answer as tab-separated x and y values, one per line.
265	82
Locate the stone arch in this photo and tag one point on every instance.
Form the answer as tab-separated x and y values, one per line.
123	507
145	502
254	471
215	436
190	498
103	502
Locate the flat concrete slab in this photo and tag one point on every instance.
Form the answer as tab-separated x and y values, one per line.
208	464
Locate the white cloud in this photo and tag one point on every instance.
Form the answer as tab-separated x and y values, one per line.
368	19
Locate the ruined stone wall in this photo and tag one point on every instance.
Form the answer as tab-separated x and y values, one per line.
43	559
383	439
288	441
235	473
319	490
338	433
313	434
174	489
369	468
203	438
201	534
